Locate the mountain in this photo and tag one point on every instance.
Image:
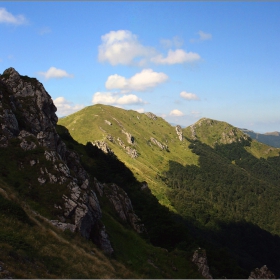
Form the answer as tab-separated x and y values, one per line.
211	174
54	210
269	138
111	193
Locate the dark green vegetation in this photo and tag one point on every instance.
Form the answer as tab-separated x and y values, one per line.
222	187
30	247
270	138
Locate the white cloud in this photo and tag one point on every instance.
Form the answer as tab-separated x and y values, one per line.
176	41
175	57
122	47
176	113
6	17
142	81
202	37
140	110
109	98
189	96
55	73
65	107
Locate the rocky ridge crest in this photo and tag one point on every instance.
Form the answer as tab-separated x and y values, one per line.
27	113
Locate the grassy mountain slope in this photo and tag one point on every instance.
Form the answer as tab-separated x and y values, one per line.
89	125
218	179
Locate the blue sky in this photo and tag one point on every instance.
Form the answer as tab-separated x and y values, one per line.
180	60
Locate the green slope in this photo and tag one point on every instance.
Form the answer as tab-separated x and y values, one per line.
88	125
218	179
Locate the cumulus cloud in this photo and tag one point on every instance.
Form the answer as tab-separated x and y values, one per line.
175	57
142	81
176	113
109	98
6	17
55	73
122	47
189	96
140	110
202	37
65	107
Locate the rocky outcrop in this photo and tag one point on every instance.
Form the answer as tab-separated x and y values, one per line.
129	137
130	151
200	259
27	113
156	142
109	123
121	204
179	132
151	116
262	273
103	146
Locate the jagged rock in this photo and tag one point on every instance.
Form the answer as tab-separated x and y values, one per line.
130	151
121	203
30	115
110	138
103	146
192	127
200	259
262	273
129	137
179	132
156	142
151	115
109	123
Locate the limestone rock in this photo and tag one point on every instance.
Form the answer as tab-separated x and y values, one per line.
262	273
156	142
29	114
200	259
121	203
129	137
102	145
130	151
179	132
151	116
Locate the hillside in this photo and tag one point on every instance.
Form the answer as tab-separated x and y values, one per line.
110	193
269	138
212	174
58	220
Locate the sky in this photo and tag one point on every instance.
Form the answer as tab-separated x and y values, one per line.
180	60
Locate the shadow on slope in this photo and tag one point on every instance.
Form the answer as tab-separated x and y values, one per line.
231	201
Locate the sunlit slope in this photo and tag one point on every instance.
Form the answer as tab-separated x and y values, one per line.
213	132
89	125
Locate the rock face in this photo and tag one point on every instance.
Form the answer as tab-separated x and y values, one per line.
130	151
129	137
27	113
151	116
103	146
200	259
121	204
156	142
179	132
262	273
